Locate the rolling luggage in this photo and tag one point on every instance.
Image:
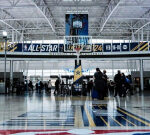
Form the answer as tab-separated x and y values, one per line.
95	93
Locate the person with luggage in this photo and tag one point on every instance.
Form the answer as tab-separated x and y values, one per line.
118	85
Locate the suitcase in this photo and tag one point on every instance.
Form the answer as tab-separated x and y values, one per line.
95	93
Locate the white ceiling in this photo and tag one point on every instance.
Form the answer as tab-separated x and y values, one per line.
45	19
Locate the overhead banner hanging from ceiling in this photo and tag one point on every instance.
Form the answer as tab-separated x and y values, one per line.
76	24
100	47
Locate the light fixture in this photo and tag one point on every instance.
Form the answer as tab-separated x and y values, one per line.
4	34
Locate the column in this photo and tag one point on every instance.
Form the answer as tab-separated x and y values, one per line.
11	75
142	35
13	37
147	36
141	75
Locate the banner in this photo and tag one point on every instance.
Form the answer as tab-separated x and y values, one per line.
124	47
76	24
97	48
143	46
49	48
107	47
61	47
100	47
116	47
77	73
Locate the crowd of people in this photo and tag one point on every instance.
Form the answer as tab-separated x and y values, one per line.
99	87
120	86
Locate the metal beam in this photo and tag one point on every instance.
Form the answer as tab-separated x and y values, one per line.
43	8
142	23
10	26
3	15
113	4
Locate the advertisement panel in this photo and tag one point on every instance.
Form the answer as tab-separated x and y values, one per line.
107	47
76	24
125	47
116	47
97	48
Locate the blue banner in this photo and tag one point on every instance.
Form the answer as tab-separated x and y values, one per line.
49	48
107	47
97	48
134	46
76	24
125	47
61	47
116	47
27	47
17	47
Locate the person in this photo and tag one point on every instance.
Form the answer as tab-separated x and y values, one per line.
111	87
117	80
39	85
89	86
105	77
99	83
49	86
84	92
62	87
30	85
129	82
124	85
57	83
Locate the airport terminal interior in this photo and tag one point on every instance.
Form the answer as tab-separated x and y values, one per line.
74	67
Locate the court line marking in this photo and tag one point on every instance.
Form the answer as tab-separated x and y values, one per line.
91	122
128	121
104	121
134	117
116	121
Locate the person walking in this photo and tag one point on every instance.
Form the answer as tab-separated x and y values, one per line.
117	80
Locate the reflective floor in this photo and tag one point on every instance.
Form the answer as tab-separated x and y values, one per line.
48	113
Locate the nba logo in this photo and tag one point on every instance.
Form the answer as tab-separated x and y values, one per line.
25	48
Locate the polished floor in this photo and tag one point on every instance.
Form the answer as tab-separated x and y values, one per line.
49	114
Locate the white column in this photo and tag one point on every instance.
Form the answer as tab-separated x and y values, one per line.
16	40
13	37
141	75
147	36
138	36
142	35
133	37
112	69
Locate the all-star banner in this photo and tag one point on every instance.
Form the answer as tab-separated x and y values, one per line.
77	73
100	47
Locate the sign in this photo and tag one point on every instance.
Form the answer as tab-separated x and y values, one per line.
100	47
124	47
77	73
106	47
116	47
76	24
97	48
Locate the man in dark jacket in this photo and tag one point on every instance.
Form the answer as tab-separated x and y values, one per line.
57	83
117	80
99	83
105	77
